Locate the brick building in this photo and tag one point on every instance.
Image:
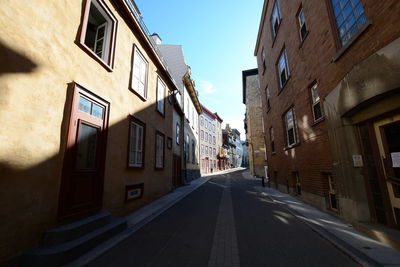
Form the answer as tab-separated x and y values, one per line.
330	87
254	122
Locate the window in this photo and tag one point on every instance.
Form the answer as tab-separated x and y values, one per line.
136	143
268	98
139	73
349	16
283	69
187	147
276	18
214	152
302	24
160	96
290	125
333	204
214	140
316	103
206	137
178	128
159	150
202	135
202	149
210	138
201	121
206	150
263	59
187	110
193	152
206	123
98	32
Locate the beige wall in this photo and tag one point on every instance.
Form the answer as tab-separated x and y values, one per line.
255	127
40	58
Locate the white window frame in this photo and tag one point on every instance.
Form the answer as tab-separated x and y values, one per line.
316	100
276	18
178	128
290	124
159	155
302	23
140	65
283	66
161	90
136	144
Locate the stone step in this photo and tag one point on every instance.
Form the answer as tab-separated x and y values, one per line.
75	230
61	254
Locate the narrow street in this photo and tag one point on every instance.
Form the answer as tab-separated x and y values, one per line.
225	222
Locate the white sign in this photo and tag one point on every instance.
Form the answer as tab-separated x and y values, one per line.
357	161
395	159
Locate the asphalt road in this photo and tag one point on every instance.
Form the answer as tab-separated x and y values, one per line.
225	222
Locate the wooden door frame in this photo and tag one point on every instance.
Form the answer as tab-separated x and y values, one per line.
379	170
70	150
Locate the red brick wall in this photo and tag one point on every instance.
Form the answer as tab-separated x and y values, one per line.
312	61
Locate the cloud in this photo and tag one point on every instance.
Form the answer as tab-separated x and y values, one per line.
207	87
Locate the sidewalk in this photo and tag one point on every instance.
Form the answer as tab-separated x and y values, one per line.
363	249
141	217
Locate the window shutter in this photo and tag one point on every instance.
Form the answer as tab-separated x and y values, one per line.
139	147
132	148
100	40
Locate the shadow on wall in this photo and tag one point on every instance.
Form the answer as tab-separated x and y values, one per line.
29	194
14	62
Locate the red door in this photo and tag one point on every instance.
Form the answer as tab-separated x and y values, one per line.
83	170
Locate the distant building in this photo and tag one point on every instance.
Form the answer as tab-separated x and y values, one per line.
210	140
254	122
245	157
187	100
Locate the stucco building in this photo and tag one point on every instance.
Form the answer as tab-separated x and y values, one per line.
330	89
93	129
187	98
254	122
210	141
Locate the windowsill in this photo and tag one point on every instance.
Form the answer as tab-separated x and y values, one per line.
351	41
137	94
315	123
136	167
302	41
292	146
283	87
273	153
95	57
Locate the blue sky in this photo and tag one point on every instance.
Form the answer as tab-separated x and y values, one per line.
218	38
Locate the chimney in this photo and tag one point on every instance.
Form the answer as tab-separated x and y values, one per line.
156	38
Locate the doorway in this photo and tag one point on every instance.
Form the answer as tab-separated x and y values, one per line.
388	138
81	188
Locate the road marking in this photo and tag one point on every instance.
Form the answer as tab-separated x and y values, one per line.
225	250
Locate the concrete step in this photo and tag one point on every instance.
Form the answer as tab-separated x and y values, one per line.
386	235
75	230
61	254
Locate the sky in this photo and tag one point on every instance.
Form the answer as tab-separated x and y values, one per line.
218	39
